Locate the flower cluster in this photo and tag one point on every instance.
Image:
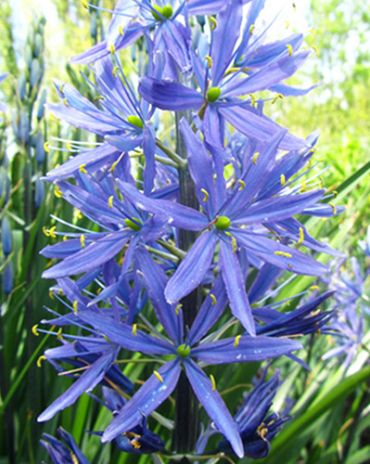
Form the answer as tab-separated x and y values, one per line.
178	226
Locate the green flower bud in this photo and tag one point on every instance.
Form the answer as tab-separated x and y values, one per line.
223	223
133	225
135	121
183	351
166	11
213	94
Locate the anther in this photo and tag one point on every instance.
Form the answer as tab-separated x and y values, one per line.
120	28
134	330
75	306
46	147
158	375
301	235
74	458
255	156
236	341
279	95
46	232
242	185
51	232
177	309
65	102
316	50
287	24
282	179
251	29
253	98
334	208
84	4
82	169
34	330
61	88
110	201
206	194
209	61
214	299
135	443
59	334
39	361
114	71
213	22
213	382
303	188
282	253
314	287
51	295
69	146
82	241
290	49
112	49
57	192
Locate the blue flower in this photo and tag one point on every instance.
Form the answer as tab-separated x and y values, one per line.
63	453
185	349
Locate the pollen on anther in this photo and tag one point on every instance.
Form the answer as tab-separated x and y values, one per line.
282	253
255	156
134	330
158	375
65	102
82	241
46	147
213	22
51	232
316	50
242	185
59	334
253	98
290	49
301	235
209	61
84	4
46	232
279	95
51	295
112	49
251	29
75	306
34	330
114	71
120	28
213	382
282	179
236	341
334	208
82	169
39	361
110	201
314	287
206	194
57	192
177	309
214	299
135	443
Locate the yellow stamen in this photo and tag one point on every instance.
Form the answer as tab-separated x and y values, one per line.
74	458
334	207
114	71
282	253
209	61
75	306
287	24
213	22
242	185
253	98
314	287
51	232
213	382
134	330
318	333
65	238
84	4
316	50
279	95
282	179
39	361
135	443
69	147
110	201
251	28
57	192
290	49
46	232
34	330
178	308
303	188
158	375
214	300
52	117
112	49
59	334
236	342
82	241
65	102
82	169
335	193
120	28
60	292
301	235
51	295
255	156
61	88
46	147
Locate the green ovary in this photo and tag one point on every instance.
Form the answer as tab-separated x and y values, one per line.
213	94
132	225
183	351
223	223
166	11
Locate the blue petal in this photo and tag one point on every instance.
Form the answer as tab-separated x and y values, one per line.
235	287
193	268
145	401
214	406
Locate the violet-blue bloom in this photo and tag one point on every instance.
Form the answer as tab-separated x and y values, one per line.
63	453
